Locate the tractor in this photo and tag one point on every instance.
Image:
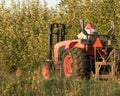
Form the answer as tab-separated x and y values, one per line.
95	56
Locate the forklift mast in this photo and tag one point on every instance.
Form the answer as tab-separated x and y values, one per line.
59	31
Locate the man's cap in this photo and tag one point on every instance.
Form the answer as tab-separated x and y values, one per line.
90	26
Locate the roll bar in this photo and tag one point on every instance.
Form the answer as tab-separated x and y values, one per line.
82	26
110	32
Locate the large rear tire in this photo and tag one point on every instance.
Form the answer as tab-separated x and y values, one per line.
115	56
118	63
76	63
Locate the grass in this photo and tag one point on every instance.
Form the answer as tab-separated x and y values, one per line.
32	84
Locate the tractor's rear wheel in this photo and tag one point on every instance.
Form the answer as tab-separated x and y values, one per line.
76	63
118	63
115	56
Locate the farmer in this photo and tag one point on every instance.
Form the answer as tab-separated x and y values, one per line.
90	29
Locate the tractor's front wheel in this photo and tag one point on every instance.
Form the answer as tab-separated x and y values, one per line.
76	63
46	72
47	68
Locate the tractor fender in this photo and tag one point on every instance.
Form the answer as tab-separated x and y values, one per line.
66	44
75	43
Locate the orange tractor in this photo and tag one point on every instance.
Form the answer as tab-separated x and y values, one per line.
82	57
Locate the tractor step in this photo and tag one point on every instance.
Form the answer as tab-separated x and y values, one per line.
104	63
104	77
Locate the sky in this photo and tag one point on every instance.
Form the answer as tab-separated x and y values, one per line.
51	3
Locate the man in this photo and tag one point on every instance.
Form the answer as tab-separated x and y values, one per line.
90	29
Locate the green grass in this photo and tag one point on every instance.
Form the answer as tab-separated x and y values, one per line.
32	84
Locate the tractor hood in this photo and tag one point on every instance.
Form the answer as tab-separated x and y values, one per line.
64	45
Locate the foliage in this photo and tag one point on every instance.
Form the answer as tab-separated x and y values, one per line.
23	35
98	12
23	29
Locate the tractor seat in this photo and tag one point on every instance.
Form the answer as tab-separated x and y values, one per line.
85	41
